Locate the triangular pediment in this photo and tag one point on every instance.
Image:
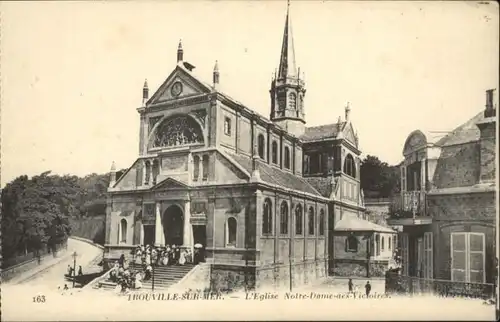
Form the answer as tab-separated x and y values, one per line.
169	183
180	83
349	134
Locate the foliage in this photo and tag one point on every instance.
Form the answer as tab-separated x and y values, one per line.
379	179
36	212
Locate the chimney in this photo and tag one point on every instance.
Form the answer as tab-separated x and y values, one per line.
112	180
490	110
216	75
487	141
180	52
145	93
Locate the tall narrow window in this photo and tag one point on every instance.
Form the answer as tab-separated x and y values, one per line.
287	158
377	243
196	168
298	220
123	231
322	222
155	170
227	126
307	162
205	167
284	218
292	101
275	152
350	166
310	219
403	178
351	244
382	244
467	257
231	229
261	145
147	165
267	220
389	244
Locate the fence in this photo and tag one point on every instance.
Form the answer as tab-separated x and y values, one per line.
396	283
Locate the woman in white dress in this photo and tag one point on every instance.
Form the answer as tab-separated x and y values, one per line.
138	279
165	258
182	258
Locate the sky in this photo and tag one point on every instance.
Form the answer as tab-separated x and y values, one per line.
72	72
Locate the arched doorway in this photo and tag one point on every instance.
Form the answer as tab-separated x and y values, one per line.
173	225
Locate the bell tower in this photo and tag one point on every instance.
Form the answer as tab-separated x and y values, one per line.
287	87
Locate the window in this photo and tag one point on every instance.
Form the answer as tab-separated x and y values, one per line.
196	170
310	220
351	244
155	170
306	167
467	257
403	178
382	245
377	245
292	101
284	218
231	227
123	231
287	158
298	220
147	165
389	243
177	130
315	163
428	259
205	167
321	222
350	166
267	222
261	142
275	152
227	126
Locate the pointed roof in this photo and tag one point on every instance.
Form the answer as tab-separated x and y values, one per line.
287	66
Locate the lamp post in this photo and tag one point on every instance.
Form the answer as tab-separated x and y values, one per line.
74	267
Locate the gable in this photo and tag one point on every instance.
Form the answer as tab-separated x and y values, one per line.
169	183
349	135
180	83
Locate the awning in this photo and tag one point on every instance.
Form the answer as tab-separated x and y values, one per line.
357	224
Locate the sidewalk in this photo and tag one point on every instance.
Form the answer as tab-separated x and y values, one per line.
339	285
45	264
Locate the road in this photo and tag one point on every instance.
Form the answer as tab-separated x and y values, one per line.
54	276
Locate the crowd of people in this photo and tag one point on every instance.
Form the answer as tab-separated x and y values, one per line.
145	257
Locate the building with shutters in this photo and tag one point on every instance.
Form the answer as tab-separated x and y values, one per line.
262	195
447	205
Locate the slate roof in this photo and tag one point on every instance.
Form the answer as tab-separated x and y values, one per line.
327	131
275	176
465	133
357	224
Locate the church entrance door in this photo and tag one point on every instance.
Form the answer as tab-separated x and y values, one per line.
149	235
173	225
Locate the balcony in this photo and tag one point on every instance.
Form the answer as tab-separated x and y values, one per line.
409	208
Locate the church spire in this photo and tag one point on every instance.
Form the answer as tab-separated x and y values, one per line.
287	59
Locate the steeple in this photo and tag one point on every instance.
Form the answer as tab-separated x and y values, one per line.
288	88
287	59
145	93
216	75
180	52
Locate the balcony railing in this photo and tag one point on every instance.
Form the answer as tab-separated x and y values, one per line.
409	204
401	284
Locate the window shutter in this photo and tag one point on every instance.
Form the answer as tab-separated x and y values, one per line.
428	255
404	253
476	258
459	262
403	178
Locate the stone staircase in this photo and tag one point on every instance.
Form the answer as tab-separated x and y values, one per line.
164	277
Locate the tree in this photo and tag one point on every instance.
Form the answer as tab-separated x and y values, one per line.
378	179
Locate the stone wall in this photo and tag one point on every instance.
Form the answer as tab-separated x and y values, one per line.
278	277
357	268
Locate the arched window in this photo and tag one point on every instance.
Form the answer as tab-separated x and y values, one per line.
147	166
350	166
274	152
205	167
123	231
196	170
231	228
382	244
267	222
261	145
377	245
177	130
287	158
299	223
284	218
389	243
292	101
321	223
155	170
310	220
351	244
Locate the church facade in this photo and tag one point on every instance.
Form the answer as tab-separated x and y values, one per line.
261	195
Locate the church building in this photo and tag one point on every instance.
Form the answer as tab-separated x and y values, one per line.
262	195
